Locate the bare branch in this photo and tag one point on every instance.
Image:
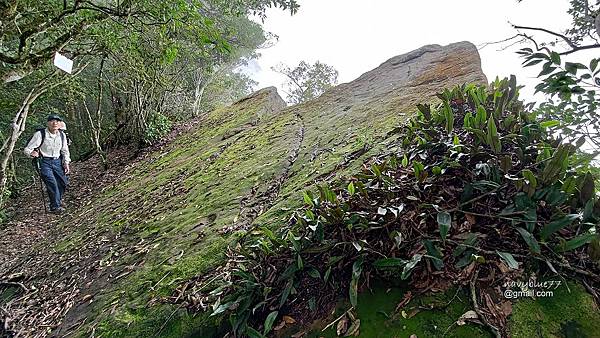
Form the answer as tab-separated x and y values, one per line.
483	45
574	46
563	37
537	47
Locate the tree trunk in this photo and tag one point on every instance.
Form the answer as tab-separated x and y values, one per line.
96	129
201	83
200	87
17	126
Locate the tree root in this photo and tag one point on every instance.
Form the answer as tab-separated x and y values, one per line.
478	310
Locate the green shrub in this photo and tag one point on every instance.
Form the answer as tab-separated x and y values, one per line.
158	126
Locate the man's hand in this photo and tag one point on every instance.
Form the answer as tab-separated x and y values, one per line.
67	168
35	153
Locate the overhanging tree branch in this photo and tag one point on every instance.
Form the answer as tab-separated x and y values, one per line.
563	37
574	46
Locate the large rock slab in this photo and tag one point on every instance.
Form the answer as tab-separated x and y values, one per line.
350	121
173	214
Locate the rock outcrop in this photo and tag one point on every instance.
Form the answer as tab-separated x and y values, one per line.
173	215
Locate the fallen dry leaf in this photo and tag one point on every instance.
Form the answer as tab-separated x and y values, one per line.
470	219
469	315
354	329
289	320
342	326
413	312
506	308
405	300
279	326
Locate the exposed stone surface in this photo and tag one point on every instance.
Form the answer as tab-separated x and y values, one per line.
272	102
349	121
425	70
172	214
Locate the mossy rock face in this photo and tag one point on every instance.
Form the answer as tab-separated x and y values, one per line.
245	166
173	214
569	312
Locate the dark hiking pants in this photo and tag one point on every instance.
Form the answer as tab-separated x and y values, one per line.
55	179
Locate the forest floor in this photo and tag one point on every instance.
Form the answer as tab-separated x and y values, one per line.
34	269
31	223
26	257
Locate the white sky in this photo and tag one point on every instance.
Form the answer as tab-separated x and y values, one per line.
356	36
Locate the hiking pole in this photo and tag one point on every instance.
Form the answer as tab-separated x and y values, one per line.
36	166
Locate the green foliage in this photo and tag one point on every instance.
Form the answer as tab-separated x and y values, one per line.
153	68
573	95
410	265
225	89
383	220
419	170
508	259
305	81
356	272
582	24
269	322
572	88
444	220
530	240
158	126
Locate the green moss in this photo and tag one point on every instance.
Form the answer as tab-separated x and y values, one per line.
69	244
376	311
195	185
564	314
165	321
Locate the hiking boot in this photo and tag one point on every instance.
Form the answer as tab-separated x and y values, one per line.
58	210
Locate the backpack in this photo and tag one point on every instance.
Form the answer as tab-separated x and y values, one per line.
63	137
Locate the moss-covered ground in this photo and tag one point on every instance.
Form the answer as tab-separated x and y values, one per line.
379	317
183	199
569	312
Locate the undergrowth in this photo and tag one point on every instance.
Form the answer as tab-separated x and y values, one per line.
478	193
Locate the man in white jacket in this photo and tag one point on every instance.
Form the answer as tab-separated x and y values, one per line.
50	147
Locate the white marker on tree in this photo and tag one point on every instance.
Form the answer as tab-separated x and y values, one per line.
63	62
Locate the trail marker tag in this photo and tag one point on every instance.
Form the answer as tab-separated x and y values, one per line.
63	62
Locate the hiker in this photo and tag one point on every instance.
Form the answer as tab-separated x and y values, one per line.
50	148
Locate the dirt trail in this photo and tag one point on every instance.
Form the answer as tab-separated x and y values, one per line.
47	282
45	285
30	225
